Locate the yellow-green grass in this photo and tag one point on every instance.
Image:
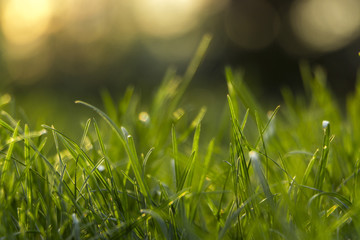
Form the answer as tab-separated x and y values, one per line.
279	173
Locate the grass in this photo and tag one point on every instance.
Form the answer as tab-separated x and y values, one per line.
289	173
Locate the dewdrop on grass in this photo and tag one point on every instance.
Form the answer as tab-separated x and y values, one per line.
125	132
43	131
101	168
325	124
75	219
144	117
254	155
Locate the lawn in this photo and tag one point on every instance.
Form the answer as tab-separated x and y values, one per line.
161	171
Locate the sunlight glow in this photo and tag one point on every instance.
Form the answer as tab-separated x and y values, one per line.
25	21
164	18
326	25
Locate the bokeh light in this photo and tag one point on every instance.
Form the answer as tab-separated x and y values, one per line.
73	37
92	30
252	24
164	18
25	21
98	42
326	25
144	117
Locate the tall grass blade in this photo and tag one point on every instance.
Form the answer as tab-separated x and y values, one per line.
233	216
85	133
254	157
6	164
102	147
192	68
320	175
208	156
309	168
176	158
242	91
159	220
129	145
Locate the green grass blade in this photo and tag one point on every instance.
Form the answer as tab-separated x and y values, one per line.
231	89
56	142
194	124
28	166
176	158
194	64
9	153
187	171
127	141
106	118
5	125
195	150
102	147
159	220
324	156
236	126
309	168
263	130
255	161
85	133
75	150
244	120
208	156
243	92
138	169
230	220
340	200
145	160
191	69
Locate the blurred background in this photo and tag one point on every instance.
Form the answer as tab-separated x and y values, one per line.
69	50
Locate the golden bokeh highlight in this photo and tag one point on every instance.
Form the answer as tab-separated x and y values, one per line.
88	25
326	25
25	21
90	29
25	25
164	18
83	38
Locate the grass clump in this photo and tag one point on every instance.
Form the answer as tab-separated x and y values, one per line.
282	174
